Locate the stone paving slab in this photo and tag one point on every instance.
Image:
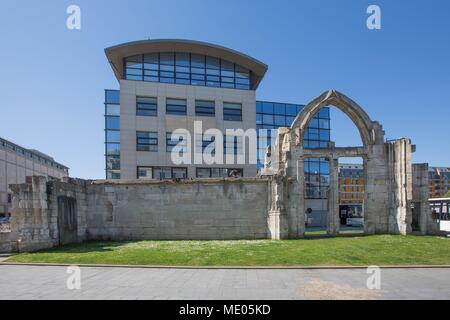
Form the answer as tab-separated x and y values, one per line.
49	282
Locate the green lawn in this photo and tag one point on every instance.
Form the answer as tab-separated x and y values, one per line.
370	250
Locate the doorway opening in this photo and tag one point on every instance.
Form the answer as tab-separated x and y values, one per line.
317	188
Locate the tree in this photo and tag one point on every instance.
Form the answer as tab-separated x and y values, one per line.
447	195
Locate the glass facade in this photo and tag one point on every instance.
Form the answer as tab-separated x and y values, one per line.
271	116
187	68
112	134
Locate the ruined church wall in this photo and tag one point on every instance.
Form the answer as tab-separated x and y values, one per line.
215	209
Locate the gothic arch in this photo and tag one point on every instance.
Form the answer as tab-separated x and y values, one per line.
343	103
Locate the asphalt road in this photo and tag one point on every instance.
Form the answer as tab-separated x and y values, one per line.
50	282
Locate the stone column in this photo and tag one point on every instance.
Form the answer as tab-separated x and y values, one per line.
277	220
299	198
333	221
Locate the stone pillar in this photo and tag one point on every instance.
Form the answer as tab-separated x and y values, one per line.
377	191
399	162
277	220
298	198
333	221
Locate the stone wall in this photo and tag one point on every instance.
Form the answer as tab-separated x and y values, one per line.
191	209
135	210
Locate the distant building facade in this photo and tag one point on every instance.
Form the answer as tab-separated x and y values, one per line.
351	191
351	184
16	163
439	181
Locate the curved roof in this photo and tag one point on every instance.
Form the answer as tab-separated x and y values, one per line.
116	54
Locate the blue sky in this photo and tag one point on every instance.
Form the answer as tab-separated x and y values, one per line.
53	79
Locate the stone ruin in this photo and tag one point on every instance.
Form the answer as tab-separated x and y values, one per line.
394	186
271	206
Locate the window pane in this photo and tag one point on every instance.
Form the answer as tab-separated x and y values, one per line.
324	123
212	63
324	135
113	136
113	149
112	96
197	61
145	173
198	71
268	107
204	108
167	58
267	119
182	59
324	113
179	173
242	72
291	110
112	123
130	77
134	72
113	162
203	172
176	106
113	110
226	65
280	121
167	68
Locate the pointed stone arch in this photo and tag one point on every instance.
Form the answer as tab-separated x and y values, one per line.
332	97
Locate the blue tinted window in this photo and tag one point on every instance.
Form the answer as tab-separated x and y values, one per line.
280	109
291	110
280	120
259	107
186	68
112	123
289	120
112	96
267	119
113	136
324	135
324	113
113	110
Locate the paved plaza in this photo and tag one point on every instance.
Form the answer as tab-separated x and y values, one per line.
49	282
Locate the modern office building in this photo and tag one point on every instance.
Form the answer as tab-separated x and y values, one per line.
439	181
170	84
16	163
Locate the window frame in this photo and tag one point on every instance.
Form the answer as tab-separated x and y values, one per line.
175	112
142	107
229	113
152	141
